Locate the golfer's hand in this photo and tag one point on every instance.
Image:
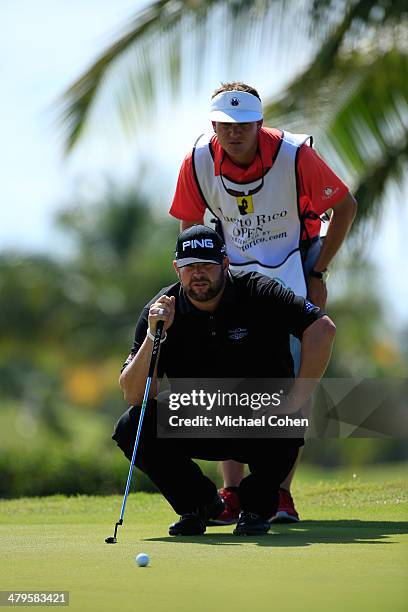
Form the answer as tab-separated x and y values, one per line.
316	292
162	310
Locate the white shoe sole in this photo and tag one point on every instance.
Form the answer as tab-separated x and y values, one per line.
284	517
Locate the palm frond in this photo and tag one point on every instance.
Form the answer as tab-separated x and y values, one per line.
169	41
375	115
366	28
77	101
373	183
353	95
360	118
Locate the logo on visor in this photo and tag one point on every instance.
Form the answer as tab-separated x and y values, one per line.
234	102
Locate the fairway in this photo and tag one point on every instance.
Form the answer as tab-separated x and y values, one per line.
349	553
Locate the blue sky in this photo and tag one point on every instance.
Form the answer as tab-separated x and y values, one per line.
44	46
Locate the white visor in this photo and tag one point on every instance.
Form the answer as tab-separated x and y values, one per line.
235	107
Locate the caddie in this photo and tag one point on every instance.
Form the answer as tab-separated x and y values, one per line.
267	190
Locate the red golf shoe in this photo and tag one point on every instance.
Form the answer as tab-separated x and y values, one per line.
286	512
232	508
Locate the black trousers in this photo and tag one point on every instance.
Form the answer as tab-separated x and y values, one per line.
168	463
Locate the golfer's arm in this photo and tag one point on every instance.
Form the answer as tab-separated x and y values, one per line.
341	221
316	348
133	378
186	224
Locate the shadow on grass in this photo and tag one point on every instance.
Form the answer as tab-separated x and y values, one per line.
305	533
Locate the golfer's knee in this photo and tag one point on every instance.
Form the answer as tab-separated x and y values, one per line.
125	432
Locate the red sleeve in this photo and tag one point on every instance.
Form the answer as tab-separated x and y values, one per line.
317	182
187	205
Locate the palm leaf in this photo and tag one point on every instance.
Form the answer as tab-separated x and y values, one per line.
353	95
360	117
371	187
169	41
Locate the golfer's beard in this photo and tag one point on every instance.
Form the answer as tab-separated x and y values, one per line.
205	295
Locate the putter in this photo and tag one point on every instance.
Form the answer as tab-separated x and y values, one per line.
153	358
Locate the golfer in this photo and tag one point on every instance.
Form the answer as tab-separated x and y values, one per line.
267	189
202	315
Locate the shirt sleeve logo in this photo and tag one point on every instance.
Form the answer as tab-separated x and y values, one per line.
328	192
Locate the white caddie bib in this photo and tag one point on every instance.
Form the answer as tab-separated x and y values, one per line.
260	220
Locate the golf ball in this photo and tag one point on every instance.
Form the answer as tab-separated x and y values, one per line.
142	559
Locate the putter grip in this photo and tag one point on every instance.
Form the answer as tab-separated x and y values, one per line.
156	346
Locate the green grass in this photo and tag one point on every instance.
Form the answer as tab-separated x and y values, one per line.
350	552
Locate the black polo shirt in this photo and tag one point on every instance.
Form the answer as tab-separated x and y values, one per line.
246	336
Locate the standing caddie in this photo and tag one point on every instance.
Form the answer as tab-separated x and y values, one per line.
267	190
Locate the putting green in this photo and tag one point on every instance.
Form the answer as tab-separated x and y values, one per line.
350	552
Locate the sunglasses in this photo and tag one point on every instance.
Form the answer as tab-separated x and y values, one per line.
240	194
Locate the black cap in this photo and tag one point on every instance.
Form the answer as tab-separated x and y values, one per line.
199	244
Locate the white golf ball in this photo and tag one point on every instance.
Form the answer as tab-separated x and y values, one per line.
142	559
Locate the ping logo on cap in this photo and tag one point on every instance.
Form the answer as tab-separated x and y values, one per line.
205	243
234	102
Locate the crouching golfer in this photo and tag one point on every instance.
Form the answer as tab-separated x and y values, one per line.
202	315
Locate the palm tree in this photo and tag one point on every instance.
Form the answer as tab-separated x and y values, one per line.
353	94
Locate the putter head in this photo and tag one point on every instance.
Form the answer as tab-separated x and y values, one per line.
112	539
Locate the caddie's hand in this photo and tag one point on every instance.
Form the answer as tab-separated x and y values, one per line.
162	310
316	292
